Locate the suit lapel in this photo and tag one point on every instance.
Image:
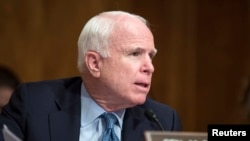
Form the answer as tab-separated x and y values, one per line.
64	127
65	124
133	124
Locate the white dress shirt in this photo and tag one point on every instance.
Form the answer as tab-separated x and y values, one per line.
92	126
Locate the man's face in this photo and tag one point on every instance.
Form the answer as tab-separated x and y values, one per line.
127	72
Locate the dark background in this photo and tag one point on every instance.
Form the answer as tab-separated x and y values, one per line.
202	65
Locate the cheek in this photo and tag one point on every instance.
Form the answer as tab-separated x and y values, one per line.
124	74
114	74
119	78
121	69
120	73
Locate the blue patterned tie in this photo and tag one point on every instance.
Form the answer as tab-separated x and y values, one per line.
109	133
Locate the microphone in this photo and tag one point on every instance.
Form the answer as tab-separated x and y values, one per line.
152	116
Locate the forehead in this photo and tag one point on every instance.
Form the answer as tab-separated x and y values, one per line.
131	33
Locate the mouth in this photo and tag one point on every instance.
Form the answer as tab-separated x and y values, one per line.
144	85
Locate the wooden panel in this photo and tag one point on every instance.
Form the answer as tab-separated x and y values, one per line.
222	53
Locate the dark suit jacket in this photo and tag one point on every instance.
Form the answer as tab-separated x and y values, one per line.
50	111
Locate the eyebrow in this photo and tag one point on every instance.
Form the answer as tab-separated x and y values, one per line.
153	52
127	50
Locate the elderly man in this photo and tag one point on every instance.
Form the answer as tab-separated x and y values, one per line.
108	102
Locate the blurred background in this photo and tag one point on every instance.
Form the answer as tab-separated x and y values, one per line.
202	65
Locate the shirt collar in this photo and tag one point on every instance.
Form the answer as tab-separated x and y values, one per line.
90	110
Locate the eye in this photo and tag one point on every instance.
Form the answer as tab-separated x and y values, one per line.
152	55
135	53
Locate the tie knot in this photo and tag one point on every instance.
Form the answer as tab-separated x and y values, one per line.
110	119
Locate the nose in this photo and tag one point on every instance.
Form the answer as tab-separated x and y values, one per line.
148	67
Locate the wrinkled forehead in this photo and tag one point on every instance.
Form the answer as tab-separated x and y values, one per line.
129	26
129	30
131	37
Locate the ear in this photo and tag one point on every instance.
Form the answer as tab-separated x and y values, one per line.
93	62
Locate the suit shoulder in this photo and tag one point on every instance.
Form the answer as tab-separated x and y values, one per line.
166	114
61	81
150	103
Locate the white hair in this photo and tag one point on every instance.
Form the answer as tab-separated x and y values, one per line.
96	33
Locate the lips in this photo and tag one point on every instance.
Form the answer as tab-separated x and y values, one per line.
145	85
142	87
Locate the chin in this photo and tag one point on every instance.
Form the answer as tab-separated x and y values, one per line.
140	100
